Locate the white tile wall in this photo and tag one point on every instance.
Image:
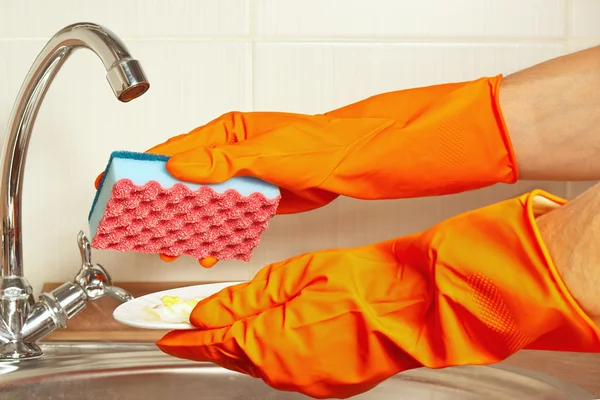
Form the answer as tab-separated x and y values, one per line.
334	74
584	22
157	19
470	19
206	57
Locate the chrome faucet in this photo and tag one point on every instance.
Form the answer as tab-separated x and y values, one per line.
23	321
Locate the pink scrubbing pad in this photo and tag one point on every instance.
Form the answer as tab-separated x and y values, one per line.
148	218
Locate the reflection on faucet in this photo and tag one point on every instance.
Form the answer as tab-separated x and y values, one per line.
55	308
22	320
94	279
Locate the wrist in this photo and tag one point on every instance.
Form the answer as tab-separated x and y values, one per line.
568	234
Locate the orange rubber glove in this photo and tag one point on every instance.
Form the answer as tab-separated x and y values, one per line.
435	140
473	289
412	143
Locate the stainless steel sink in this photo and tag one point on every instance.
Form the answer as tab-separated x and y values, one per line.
96	371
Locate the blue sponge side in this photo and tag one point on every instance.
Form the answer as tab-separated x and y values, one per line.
142	168
126	155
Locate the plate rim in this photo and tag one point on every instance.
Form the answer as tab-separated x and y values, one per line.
118	311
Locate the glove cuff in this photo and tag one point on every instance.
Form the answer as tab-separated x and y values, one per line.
575	330
496	289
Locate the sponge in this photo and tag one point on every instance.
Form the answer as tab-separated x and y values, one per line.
140	207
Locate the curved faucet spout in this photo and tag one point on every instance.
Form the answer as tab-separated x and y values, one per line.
127	80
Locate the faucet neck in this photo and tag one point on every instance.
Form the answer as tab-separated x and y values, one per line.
127	80
14	153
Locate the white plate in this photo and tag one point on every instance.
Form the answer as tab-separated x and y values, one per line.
133	313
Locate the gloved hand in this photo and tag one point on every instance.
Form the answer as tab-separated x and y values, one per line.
426	141
412	143
473	289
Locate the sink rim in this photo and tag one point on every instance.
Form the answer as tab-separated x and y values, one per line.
90	358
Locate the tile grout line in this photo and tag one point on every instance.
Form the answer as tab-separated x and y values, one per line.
338	40
569	25
251	31
252	28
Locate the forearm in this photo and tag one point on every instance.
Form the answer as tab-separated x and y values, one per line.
552	111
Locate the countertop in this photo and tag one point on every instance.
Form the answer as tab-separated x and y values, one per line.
95	323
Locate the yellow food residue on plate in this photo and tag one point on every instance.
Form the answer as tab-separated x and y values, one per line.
172	309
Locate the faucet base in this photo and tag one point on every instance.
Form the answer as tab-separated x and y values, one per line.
14	351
